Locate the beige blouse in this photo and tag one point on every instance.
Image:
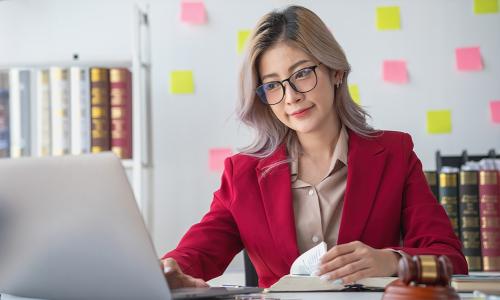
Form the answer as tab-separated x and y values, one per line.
318	209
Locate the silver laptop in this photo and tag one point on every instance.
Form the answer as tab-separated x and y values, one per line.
70	228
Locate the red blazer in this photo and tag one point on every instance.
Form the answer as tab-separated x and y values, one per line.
387	204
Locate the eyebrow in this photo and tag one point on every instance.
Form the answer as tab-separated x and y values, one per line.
292	67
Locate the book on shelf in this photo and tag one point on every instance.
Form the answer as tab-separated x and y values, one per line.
431	178
60	117
43	114
469	216
448	194
19	112
100	110
4	115
489	209
121	112
301	276
80	110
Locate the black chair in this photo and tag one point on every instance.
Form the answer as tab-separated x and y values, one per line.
251	278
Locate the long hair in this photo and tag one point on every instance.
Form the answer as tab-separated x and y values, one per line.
304	29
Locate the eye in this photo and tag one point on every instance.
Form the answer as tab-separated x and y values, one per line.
304	73
271	86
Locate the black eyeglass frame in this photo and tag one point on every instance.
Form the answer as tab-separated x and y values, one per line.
261	98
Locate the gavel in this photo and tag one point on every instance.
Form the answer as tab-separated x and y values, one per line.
425	269
422	277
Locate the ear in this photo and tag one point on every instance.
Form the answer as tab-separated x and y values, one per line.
339	76
336	77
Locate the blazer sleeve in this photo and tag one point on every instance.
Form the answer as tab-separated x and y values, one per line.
426	228
209	246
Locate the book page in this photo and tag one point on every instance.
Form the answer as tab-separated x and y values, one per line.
308	262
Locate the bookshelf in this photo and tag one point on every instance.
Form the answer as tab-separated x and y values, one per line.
468	187
139	65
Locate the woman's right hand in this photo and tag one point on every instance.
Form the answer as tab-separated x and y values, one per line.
176	278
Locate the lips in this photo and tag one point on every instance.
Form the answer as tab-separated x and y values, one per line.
300	111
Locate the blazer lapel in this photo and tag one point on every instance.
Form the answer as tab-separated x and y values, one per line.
365	167
275	188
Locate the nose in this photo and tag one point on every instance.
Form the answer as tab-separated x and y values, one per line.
291	95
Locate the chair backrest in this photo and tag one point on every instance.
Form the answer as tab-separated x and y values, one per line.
251	278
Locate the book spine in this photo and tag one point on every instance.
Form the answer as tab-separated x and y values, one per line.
80	111
25	97
85	110
431	178
60	111
19	113
469	219
4	115
448	197
100	110
121	112
490	219
43	112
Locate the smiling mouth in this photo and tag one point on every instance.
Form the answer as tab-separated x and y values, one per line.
300	111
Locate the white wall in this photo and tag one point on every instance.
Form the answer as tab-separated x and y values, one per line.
185	127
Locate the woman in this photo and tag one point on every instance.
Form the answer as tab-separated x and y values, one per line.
315	172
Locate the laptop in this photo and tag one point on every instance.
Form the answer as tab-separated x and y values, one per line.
70	229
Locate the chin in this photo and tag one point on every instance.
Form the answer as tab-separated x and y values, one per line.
303	128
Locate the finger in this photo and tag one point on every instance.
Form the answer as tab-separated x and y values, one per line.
346	270
352	278
338	262
170	265
339	250
200	283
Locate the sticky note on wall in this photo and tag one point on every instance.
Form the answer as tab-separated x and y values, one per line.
495	111
242	40
439	121
395	71
181	82
193	12
468	59
354	92
485	6
216	157
388	18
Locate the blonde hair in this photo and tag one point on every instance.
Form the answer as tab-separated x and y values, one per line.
304	29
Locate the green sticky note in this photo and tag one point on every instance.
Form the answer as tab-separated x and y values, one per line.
439	121
354	91
485	6
388	18
181	82
242	40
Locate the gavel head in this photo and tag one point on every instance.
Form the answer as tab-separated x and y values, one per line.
425	270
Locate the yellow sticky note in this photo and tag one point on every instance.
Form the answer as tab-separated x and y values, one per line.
354	91
388	18
181	82
439	121
242	40
485	6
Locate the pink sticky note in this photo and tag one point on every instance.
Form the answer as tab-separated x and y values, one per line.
495	111
468	59
216	158
193	12
395	71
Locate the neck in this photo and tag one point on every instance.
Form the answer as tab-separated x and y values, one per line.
321	143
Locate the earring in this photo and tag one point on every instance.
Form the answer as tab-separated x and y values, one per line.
339	83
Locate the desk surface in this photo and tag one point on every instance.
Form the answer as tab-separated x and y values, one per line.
297	296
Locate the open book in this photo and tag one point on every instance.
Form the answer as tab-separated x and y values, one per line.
301	279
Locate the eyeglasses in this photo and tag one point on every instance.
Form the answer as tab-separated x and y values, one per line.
301	81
